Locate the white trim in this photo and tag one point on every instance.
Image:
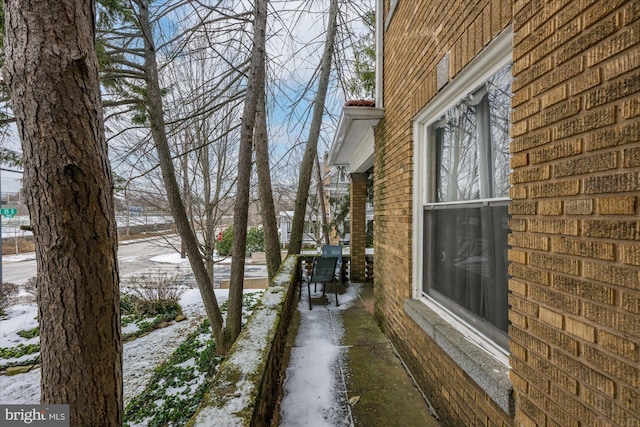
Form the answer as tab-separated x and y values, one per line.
495	56
379	53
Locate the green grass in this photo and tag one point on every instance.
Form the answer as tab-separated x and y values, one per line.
146	324
29	333
177	407
18	351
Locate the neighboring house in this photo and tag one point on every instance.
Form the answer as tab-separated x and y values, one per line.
504	146
336	189
285	219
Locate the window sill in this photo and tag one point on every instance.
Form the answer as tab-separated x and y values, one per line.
489	371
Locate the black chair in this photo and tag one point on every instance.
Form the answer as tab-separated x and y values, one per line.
323	271
335	250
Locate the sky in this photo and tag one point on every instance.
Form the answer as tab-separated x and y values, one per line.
11	182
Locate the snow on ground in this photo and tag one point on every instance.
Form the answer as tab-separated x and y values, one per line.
11	226
314	388
20	317
19	258
143	354
175	258
140	356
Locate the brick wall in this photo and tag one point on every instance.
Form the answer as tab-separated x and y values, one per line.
575	241
358	233
575	257
418	37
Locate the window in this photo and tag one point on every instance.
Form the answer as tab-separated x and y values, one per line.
466	222
461	176
342	175
460	193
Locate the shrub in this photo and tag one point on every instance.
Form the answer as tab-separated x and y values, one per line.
255	241
151	294
29	333
18	351
31	287
224	245
8	294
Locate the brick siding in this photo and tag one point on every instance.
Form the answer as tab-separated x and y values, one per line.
358	226
574	262
419	36
574	343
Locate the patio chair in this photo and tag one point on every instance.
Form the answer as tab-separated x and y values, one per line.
336	251
323	271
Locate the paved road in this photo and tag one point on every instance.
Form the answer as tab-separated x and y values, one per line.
133	258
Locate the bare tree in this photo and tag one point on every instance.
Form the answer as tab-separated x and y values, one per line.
52	74
268	211
158	130
142	29
324	221
255	87
311	149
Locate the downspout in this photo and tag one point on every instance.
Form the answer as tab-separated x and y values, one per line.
379	52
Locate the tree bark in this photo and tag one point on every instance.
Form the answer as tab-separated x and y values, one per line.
323	206
158	131
311	150
52	73
241	209
269	222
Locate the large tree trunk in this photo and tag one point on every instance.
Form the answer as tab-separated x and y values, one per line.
269	222
241	210
311	150
52	74
156	117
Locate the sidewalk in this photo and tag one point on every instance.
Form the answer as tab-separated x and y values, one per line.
368	383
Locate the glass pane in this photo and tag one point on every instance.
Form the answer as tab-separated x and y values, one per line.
456	147
499	93
472	144
467	262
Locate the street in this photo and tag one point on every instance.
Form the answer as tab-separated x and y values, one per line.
133	258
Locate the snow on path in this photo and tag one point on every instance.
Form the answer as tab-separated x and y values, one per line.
314	389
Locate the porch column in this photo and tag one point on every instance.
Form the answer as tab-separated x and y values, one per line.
358	226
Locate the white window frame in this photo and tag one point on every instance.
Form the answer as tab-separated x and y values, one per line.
486	363
494	57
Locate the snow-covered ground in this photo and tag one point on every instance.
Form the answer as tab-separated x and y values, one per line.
140	356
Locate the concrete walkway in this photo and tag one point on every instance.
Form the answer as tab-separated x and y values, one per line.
372	386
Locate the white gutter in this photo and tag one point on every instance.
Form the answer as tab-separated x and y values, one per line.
379	53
